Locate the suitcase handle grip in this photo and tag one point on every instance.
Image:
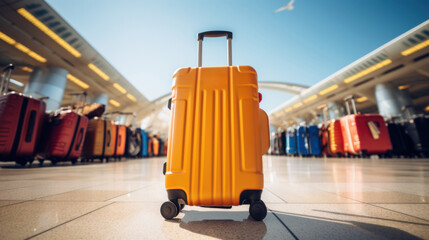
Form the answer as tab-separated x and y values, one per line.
80	139
226	34
201	36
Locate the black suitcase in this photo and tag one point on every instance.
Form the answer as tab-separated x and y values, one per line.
418	131
401	142
282	143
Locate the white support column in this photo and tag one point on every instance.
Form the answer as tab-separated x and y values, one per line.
48	83
391	101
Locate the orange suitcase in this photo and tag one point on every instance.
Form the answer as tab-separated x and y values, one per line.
165	149
155	146
336	144
98	139
217	137
121	138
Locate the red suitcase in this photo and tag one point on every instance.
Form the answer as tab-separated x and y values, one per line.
64	137
364	134
21	120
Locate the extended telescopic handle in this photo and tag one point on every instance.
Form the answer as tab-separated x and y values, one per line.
83	94
352	100
201	36
5	78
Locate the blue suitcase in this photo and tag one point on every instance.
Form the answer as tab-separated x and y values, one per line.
314	140
144	151
302	141
291	141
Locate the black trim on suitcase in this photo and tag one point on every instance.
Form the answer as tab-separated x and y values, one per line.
74	137
81	132
31	124
249	196
17	139
104	140
175	194
116	142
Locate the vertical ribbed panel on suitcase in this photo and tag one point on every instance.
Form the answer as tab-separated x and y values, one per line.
214	150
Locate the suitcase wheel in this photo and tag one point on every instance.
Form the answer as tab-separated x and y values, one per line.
258	210
22	162
363	154
169	210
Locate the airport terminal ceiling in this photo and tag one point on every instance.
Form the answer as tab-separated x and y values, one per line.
59	45
40	30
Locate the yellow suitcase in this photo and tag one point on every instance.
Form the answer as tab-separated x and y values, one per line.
217	138
98	139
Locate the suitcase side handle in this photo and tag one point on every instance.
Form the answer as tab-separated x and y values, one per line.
109	138
226	34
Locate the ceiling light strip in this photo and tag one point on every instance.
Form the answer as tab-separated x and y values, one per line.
328	90
131	97
119	88
77	81
27	69
368	71
21	47
361	99
415	48
48	32
114	103
98	71
297	105
314	97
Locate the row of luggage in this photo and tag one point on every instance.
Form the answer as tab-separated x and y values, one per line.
303	141
358	135
28	133
152	145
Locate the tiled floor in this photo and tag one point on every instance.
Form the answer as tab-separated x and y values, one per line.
308	198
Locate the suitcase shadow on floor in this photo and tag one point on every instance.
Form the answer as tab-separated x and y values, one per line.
222	224
233	225
337	225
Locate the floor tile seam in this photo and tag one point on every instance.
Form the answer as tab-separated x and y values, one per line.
391	210
128	192
31	185
8	205
65	192
284	224
371	204
75	201
68	221
339	194
272	192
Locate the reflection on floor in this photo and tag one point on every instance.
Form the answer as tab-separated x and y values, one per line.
308	198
